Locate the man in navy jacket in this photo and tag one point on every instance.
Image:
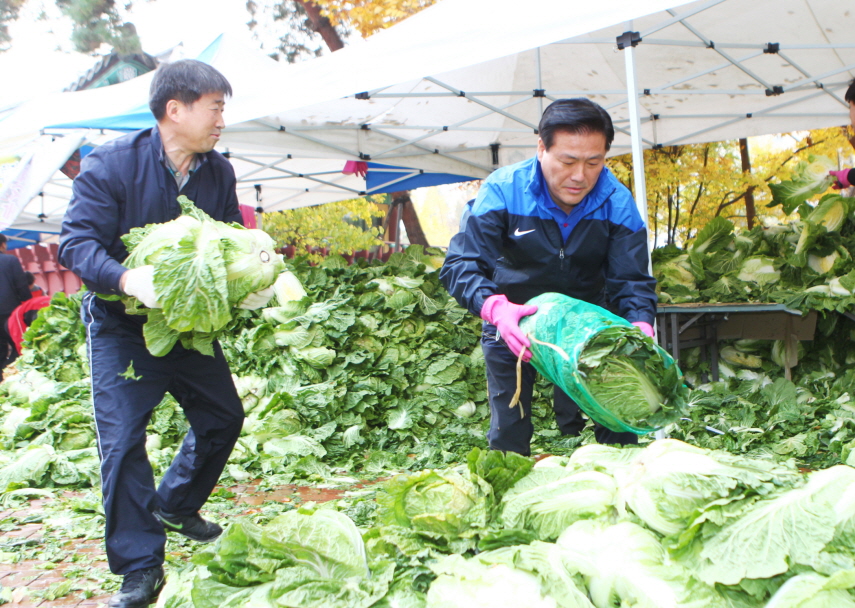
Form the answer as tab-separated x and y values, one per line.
559	222
129	182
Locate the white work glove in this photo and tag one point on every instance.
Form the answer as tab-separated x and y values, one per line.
139	283
258	299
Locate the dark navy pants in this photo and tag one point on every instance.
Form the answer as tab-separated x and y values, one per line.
510	432
203	387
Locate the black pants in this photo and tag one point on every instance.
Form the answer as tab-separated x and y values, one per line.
203	387
508	430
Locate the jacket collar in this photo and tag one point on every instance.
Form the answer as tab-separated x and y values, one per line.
160	153
602	190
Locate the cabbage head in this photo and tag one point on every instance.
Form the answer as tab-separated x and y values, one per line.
760	270
439	505
468	583
809	179
202	270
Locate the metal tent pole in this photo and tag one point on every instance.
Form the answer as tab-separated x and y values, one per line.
627	43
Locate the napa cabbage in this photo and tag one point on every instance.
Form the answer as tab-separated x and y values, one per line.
824	264
771	535
549	499
625	565
826	218
622	388
714	236
446	506
668	483
809	179
203	269
463	583
739	358
760	270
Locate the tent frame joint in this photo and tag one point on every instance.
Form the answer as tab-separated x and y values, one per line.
774	91
628	39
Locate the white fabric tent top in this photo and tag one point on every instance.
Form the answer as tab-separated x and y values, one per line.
460	86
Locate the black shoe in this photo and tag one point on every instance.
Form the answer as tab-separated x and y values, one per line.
193	526
139	588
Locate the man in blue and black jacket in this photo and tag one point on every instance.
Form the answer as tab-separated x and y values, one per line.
130	182
559	222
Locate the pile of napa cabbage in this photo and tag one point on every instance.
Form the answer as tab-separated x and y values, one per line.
666	526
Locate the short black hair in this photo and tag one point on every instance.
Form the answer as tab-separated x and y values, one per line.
850	92
31	278
2	239
186	81
577	115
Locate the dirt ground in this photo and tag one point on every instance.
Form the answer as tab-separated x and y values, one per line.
83	561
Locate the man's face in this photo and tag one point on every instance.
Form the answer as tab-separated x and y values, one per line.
3	247
852	113
199	125
572	165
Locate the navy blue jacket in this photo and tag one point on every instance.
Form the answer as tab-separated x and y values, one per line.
512	245
125	184
13	284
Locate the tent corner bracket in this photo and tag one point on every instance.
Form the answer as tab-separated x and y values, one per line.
628	39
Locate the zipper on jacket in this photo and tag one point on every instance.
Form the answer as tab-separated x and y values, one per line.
561	257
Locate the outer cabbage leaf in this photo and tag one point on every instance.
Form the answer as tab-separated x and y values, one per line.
548	500
771	534
625	565
668	483
466	583
712	237
811	590
809	179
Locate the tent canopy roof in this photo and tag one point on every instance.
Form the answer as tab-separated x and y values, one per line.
459	89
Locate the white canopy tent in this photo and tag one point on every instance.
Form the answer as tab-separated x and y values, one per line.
98	115
459	87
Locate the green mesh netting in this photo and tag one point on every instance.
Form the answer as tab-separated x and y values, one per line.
617	375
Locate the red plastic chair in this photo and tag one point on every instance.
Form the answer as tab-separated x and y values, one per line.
71	282
50	267
28	260
43	256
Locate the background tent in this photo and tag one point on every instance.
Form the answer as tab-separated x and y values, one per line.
277	180
457	88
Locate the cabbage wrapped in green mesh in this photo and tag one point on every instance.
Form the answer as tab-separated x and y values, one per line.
617	375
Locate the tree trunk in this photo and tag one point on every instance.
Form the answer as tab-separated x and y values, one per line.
749	194
322	25
415	234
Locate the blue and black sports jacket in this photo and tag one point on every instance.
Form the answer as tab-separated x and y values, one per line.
125	184
512	245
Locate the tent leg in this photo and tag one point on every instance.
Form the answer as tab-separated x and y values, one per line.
635	131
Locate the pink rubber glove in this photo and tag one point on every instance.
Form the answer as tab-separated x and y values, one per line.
506	317
842	178
645	327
